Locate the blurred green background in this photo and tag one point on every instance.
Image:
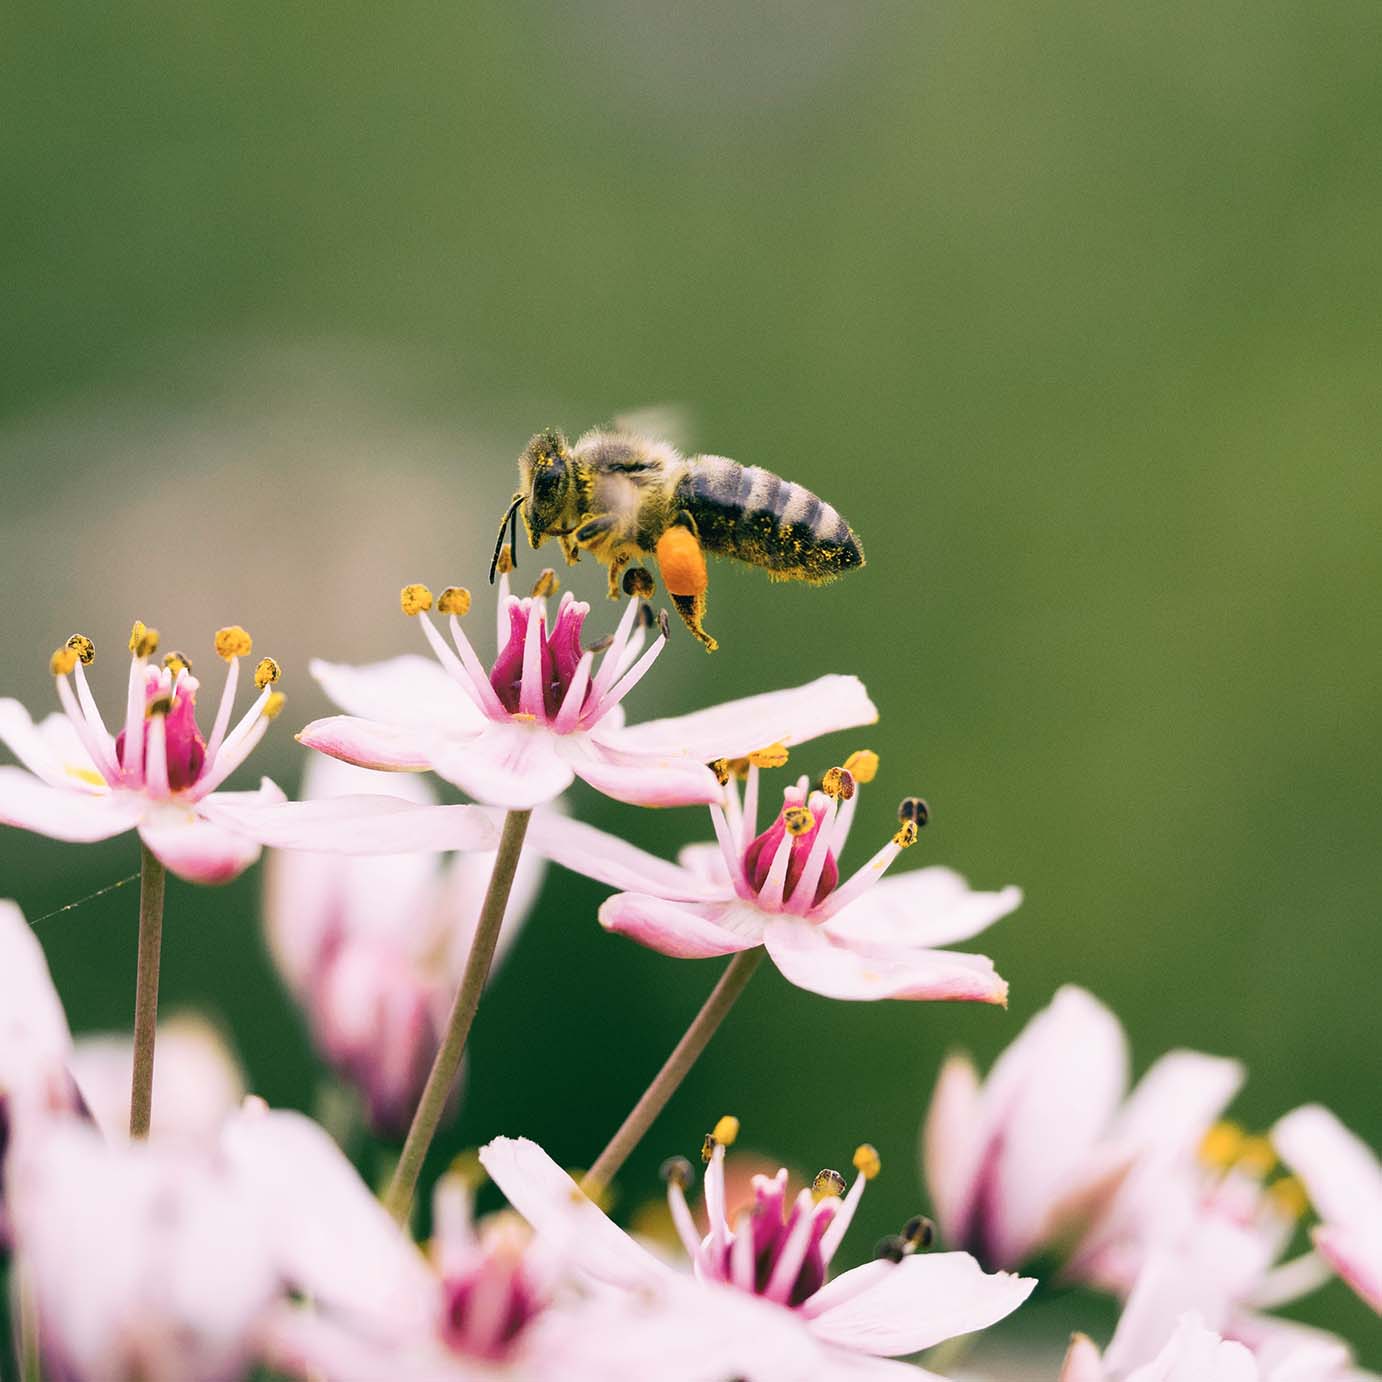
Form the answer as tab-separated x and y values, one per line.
1072	310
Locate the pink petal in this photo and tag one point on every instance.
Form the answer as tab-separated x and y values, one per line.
326	776
736	728
893	1308
366	824
65	814
516	766
1082	1362
650	782
368	743
811	960
553	1204
1176	1102
1047	1101
671	928
195	848
928	907
331	1238
1195	1354
34	1040
609	859
950	1143
409	691
1356	1256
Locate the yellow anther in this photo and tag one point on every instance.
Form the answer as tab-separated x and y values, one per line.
1221	1145
726	1130
838	783
273	705
863	764
1289	1197
546	584
176	662
1256	1156
414	599
143	639
467	1169
798	820
233	641
906	835
455	599
524	717
739	768
505	563
267	671
720	767
83	647
62	661
867	1161
774	756
828	1185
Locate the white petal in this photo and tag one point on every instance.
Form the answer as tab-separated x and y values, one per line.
949	1144
553	1204
65	813
1197	1354
609	859
369	743
50	750
907	1306
366	824
194	847
926	907
34	1040
515	766
736	728
410	690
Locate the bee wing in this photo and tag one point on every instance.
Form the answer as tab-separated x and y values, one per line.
669	422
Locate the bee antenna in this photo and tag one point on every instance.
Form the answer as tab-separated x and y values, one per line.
509	521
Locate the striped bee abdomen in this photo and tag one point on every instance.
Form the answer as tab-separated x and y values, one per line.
750	513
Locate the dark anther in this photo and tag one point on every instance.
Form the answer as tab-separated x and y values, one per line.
893	1248
676	1170
914	811
663	627
708	1148
600	644
638	580
918	1232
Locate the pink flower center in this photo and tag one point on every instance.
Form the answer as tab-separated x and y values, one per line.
486	1310
759	856
186	747
559	655
771	1230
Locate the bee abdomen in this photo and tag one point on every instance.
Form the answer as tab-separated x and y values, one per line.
750	513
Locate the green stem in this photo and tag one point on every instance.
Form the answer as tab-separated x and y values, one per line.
684	1055
151	880
398	1198
30	1364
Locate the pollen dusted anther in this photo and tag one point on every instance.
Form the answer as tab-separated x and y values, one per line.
798	820
266	672
83	647
414	599
828	1185
177	662
838	784
720	767
233	641
708	1148
143	639
455	599
546	584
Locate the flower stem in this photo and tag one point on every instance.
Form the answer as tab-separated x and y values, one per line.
398	1198
151	880
30	1363
684	1055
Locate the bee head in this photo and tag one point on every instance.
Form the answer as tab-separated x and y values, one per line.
546	471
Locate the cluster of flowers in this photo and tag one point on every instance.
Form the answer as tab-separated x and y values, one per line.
225	1236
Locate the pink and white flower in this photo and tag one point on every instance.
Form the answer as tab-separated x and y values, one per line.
760	1302
850	938
373	948
1343	1179
1051	1152
517	734
160	777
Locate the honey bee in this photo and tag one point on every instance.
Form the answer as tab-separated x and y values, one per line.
619	495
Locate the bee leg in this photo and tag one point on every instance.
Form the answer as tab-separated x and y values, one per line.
570	551
692	611
616	571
